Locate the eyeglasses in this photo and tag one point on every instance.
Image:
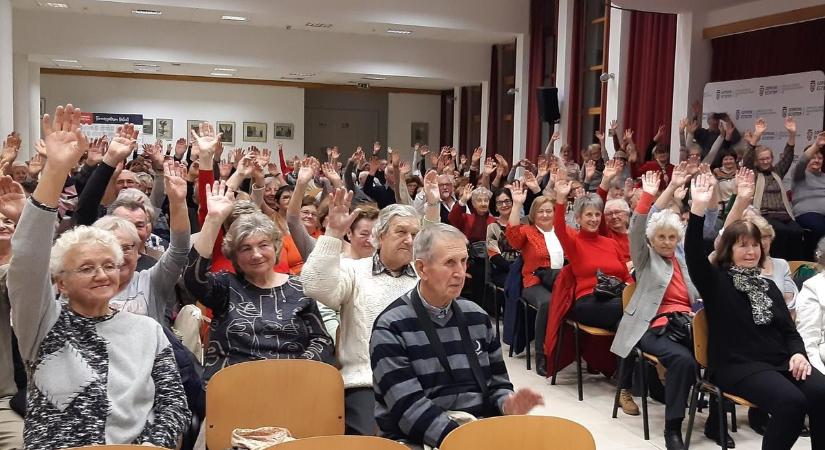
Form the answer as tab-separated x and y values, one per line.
503	202
127	248
90	271
615	213
309	213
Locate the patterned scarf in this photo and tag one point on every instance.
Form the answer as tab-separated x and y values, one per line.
748	281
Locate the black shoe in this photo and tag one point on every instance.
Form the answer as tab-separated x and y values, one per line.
673	440
758	420
541	365
712	433
806	432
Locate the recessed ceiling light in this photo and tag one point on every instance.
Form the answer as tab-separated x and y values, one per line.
57	5
292	78
224	69
234	18
318	25
147	69
146	65
146	12
69	65
399	31
302	74
221	74
373	78
68	61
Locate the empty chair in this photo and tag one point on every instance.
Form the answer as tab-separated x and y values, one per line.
520	432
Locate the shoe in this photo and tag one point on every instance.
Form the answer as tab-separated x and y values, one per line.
673	440
627	403
712	433
758	420
541	365
806	432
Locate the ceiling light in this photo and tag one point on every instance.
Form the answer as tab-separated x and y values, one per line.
399	31
224	69
147	69
146	12
292	78
318	25
68	61
220	74
373	78
57	5
234	18
68	65
146	65
302	74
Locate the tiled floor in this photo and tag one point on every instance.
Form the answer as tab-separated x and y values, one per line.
624	432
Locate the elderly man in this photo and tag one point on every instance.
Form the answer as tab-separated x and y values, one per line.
446	192
435	357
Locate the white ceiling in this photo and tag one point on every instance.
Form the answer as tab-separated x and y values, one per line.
458	26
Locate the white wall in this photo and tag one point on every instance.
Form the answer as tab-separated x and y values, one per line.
404	109
184	100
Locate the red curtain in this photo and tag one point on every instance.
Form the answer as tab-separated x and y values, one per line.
493	108
772	51
649	76
538	52
573	99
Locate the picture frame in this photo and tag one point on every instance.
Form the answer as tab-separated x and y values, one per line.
254	132
419	133
164	129
192	125
148	126
284	130
228	132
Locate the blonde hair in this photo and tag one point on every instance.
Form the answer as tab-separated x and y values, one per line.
82	235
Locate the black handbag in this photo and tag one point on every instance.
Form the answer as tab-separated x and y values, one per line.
678	328
607	286
547	276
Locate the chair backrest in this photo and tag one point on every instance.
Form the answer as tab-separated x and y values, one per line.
700	338
520	432
794	265
627	294
110	447
305	397
340	443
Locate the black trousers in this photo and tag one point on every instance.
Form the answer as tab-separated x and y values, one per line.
681	370
787	401
359	411
539	297
603	313
788	241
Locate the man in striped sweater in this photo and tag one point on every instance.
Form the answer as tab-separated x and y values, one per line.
433	353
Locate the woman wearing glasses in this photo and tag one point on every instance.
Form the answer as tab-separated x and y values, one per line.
96	375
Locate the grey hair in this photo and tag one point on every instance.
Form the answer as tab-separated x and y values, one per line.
82	235
240	208
427	240
481	192
133	199
589	200
382	224
244	227
662	220
145	179
114	223
617	204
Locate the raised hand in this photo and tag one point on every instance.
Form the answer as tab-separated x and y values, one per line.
40	147
466	194
155	154
474	161
206	140
340	218
12	198
650	182
489	166
543	167
680	174
36	165
93	156
680	193
518	193
11	147
61	136
376	147
599	135
745	184
328	169
529	181
701	189
431	191
555	137
174	181
693	126
614	125
589	169
265	157
235	156
820	140
424	150
750	138
309	167
660	133
790	125
180	148
245	166
219	201
562	188
373	165
335	153
122	145
760	127
683	123
628	135
611	169
405	168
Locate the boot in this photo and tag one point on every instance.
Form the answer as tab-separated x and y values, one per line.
712	433
673	440
627	403
541	364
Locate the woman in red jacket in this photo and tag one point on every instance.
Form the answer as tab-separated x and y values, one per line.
540	248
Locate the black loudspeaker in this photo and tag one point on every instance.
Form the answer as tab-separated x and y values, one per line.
548	104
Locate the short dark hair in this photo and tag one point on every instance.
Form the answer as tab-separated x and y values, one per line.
729	153
735	232
308	200
493	208
282	190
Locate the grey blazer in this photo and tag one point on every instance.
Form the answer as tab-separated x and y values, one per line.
653	274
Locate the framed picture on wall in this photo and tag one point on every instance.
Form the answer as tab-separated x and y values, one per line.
164	130
254	132
284	131
192	125
148	126
227	130
419	133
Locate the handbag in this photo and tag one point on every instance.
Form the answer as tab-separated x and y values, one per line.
547	276
678	328
259	438
607	286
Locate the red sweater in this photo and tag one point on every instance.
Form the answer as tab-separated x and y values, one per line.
530	241
587	252
472	225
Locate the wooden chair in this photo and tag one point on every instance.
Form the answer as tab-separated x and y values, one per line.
795	265
305	397
340	443
520	432
700	351
110	447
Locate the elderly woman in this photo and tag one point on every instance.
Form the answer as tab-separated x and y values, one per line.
663	287
810	313
809	190
359	242
474	223
754	349
360	289
540	249
151	292
499	250
96	375
726	174
257	313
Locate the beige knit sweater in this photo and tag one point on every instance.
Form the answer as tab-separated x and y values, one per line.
349	286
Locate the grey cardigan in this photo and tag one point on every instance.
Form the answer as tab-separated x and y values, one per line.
653	274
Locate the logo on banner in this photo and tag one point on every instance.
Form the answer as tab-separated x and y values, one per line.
813	85
717	94
784	111
761	90
737	114
810	134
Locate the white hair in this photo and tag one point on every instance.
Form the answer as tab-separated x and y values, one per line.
664	220
82	235
617	204
382	224
589	200
481	192
114	223
428	239
133	199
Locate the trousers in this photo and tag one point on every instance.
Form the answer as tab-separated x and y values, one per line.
539	297
681	370
11	427
359	411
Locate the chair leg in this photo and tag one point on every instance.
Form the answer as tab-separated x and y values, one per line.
526	334
733	417
556	354
645	425
618	392
723	419
578	362
495	307
694	400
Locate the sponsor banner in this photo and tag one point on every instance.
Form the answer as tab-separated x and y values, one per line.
96	125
